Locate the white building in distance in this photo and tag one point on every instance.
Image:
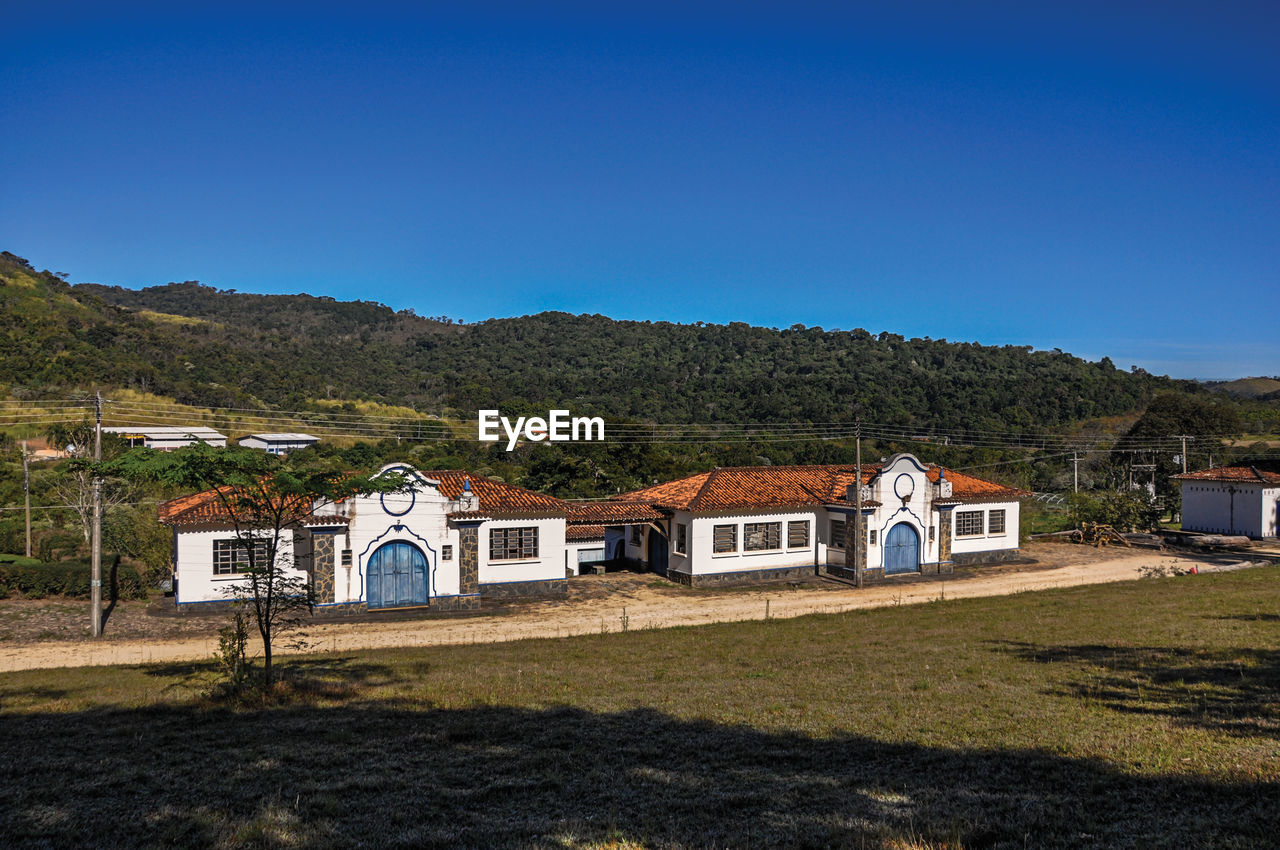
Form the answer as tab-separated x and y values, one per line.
278	444
168	438
1241	500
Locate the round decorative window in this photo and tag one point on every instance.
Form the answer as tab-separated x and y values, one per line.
903	486
397	504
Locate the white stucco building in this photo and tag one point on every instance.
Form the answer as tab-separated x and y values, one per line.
1238	500
451	539
746	524
168	438
278	444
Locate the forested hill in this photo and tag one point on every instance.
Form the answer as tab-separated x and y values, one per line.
211	347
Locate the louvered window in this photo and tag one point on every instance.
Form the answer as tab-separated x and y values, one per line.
762	535
837	534
724	538
798	534
995	522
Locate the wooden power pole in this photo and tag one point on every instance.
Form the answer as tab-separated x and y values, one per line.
1184	438
855	536
26	491
95	577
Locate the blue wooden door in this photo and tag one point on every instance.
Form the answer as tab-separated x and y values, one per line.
397	576
657	552
901	550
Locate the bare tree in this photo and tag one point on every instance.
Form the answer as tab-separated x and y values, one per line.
72	484
266	502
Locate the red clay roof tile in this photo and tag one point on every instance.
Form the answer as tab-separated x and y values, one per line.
611	513
750	487
1233	474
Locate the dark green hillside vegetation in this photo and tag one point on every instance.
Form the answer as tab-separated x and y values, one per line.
1035	720
204	346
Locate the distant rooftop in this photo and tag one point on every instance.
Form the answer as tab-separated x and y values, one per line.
161	432
283	438
1233	474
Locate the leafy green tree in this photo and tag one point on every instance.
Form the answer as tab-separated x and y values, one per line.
1123	510
265	500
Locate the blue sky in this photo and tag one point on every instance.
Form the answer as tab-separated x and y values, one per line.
1098	177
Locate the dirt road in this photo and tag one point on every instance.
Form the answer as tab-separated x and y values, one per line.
647	606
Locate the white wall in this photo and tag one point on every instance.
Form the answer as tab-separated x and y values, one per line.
1219	508
986	542
548	565
572	549
905	476
703	560
194	553
418	519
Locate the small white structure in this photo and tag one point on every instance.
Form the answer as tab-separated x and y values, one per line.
746	524
169	438
584	549
278	444
453	538
1241	500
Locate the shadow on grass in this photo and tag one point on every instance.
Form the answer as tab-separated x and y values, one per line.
1234	690
387	774
317	677
1248	618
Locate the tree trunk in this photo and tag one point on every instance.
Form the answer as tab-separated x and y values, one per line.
265	631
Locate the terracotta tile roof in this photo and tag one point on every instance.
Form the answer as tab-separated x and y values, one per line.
206	508
969	488
1233	474
611	513
496	497
578	533
750	487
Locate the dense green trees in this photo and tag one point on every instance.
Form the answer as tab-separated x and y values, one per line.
223	348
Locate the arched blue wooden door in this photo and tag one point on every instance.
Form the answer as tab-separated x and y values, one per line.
396	576
901	550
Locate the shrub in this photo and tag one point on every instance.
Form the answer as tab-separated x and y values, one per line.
35	580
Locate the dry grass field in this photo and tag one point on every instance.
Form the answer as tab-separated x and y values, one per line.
1136	714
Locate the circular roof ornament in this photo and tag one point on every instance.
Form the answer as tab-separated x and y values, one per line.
398	504
903	486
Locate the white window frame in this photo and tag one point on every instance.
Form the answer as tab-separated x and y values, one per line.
716	531
968	519
231	552
992	531
756	536
803	525
844	534
520	547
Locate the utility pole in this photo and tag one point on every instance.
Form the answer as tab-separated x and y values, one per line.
1075	462
856	535
1184	438
26	492
95	577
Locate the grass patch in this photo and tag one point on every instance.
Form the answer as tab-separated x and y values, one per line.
171	318
1137	714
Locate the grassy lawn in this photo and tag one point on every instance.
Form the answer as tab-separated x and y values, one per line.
1132	715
